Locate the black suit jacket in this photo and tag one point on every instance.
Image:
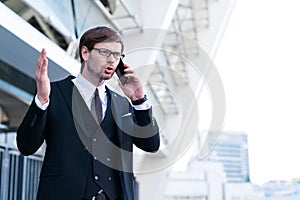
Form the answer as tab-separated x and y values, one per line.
64	171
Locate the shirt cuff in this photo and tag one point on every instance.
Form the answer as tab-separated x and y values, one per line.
39	104
144	106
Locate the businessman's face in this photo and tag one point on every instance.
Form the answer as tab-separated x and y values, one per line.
101	62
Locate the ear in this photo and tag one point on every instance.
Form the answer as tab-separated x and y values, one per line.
84	53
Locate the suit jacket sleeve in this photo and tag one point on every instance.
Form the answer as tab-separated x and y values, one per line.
146	130
30	134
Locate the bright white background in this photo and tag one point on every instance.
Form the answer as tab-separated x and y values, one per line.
259	63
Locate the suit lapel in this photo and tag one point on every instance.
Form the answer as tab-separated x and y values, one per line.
120	112
66	89
84	122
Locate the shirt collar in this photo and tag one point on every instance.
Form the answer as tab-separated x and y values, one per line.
88	89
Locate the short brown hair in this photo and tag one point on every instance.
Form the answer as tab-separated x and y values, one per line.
96	35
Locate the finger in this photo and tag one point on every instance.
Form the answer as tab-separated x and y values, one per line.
129	75
45	64
129	71
41	56
43	53
42	64
42	60
44	57
128	68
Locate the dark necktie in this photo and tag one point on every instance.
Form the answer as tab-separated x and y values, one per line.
96	107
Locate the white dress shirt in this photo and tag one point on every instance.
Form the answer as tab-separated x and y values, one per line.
87	90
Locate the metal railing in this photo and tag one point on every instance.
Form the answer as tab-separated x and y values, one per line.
19	175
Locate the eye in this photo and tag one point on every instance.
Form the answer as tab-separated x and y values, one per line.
104	52
117	55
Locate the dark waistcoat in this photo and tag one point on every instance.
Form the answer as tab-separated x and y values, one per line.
103	176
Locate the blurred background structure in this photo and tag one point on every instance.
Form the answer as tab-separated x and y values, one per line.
158	34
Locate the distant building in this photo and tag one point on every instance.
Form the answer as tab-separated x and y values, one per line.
283	190
203	180
216	176
231	150
243	191
273	190
224	174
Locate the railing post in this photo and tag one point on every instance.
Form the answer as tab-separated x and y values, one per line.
4	174
24	179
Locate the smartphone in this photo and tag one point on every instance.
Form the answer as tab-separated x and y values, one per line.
120	72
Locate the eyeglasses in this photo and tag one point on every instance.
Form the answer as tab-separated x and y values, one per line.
107	53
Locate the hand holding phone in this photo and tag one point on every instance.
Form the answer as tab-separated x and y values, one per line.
130	84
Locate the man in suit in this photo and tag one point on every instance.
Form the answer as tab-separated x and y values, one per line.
89	129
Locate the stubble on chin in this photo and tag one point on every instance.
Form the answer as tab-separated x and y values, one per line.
98	77
103	77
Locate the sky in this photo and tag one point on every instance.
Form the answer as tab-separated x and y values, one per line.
259	63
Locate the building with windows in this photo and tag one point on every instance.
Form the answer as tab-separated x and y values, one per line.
214	176
224	174
231	150
202	180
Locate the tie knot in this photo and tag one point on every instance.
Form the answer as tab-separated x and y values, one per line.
96	93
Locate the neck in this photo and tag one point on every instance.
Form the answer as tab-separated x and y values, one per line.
93	79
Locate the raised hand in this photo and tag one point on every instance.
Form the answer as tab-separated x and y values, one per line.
41	77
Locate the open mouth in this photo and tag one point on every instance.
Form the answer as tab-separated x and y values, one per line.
109	70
